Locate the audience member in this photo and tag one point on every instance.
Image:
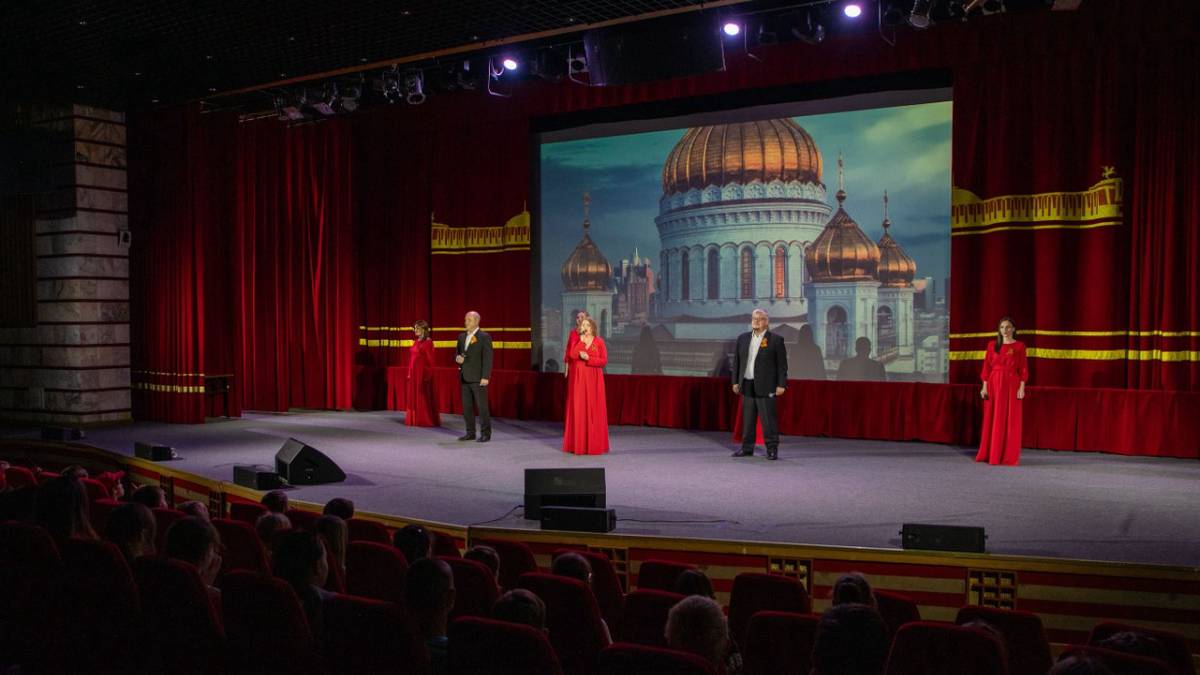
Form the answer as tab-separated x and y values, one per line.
851	640
131	526
697	625
487	555
269	526
195	541
152	496
114	481
335	535
75	471
429	597
852	588
276	501
574	566
195	508
414	542
298	557
694	582
521	606
341	507
1138	644
1079	665
61	506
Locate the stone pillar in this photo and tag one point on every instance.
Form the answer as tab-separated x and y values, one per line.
72	367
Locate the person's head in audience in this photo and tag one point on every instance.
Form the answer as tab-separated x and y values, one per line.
851	640
521	606
132	528
334	533
481	553
298	557
414	542
114	481
1132	642
75	470
341	507
276	501
151	496
697	625
1079	665
694	582
429	595
195	541
195	508
61	506
573	566
987	628
269	526
852	588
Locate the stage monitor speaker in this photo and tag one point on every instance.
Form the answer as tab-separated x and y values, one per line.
61	434
301	464
659	49
153	451
256	477
576	519
942	538
562	487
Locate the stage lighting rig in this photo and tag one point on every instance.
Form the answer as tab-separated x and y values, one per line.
414	87
391	86
919	16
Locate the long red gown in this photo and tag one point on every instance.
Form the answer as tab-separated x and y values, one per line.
419	409
1000	442
586	431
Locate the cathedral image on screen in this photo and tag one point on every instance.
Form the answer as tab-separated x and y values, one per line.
745	220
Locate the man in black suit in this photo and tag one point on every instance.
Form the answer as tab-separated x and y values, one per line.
760	376
473	354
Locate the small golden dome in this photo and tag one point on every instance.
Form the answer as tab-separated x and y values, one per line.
896	268
721	154
586	269
842	252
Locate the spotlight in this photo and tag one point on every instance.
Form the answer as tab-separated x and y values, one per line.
731	29
809	30
327	102
509	63
577	63
893	15
414	87
852	10
919	16
391	86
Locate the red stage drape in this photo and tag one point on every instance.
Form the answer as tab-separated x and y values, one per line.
1044	103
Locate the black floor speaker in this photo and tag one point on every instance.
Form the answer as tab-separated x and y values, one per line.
301	464
256	477
153	451
562	487
943	537
576	519
61	434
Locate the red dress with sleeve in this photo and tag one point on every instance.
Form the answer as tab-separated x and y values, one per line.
419	409
586	431
1000	442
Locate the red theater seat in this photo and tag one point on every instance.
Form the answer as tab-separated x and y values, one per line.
444	546
375	571
1120	663
572	617
481	646
928	648
645	621
1024	638
302	520
163	519
361	529
183	634
18	477
362	635
46	476
627	659
265	627
780	643
606	586
95	489
29	566
475	589
247	512
660	575
242	548
1176	646
516	558
755	592
896	610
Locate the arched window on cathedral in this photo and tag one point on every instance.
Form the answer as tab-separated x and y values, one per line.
837	334
604	323
747	273
714	274
885	336
780	272
685	274
665	279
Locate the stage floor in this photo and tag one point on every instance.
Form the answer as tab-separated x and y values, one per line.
668	482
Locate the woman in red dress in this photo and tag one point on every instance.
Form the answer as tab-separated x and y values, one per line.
1005	371
586	430
419	409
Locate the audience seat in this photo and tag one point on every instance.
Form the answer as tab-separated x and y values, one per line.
516	558
95	489
164	518
444	546
361	529
29	566
242	548
645	621
754	592
572	617
46	476
627	659
930	648
606	586
302	520
780	643
1176	646
182	634
265	627
362	635
335	581
660	575
1120	663
1024	638
18	477
247	512
475	589
481	646
375	571
98	512
896	610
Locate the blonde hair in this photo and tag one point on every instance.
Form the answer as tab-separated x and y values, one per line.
591	322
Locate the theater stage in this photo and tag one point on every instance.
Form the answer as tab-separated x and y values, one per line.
670	482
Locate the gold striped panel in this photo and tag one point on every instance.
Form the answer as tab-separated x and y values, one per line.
1110	597
442	344
1166	356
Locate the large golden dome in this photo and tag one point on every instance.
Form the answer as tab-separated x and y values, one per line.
896	268
842	252
720	154
586	269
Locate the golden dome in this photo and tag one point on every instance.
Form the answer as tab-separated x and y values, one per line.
586	269
896	268
720	154
842	252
